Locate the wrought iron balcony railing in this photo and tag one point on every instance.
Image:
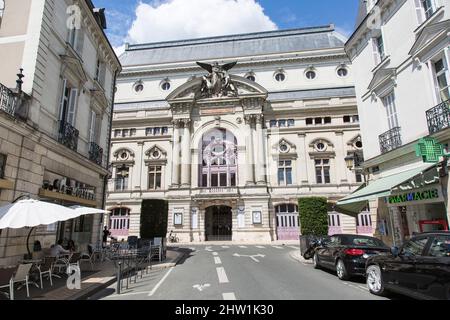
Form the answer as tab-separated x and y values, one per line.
95	153
390	140
7	100
438	117
68	135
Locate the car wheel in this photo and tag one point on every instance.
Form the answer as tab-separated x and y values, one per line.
316	261
341	270
375	280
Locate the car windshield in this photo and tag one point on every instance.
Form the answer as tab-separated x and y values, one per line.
363	242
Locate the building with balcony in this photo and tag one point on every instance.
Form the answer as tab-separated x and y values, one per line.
55	114
400	54
233	163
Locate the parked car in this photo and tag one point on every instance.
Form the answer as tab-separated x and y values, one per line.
419	269
347	254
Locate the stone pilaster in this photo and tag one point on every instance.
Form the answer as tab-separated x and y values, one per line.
176	153
261	158
186	154
249	150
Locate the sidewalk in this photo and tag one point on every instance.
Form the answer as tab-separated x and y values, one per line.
234	243
103	275
298	257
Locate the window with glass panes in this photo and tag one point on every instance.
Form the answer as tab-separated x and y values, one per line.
285	172
391	110
154	177
120	219
322	170
428	7
364	220
334	220
380	47
442	79
358	176
121	181
287	215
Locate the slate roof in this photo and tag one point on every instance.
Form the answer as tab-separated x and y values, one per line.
223	47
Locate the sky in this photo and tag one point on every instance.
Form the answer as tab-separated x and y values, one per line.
145	21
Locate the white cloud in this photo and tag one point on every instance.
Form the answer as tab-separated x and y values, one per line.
119	50
182	19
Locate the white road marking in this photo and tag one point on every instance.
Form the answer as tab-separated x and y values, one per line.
243	247
124	294
208	249
192	249
292	247
215	254
217	260
222	275
225	247
160	282
277	247
201	287
250	256
229	296
260	247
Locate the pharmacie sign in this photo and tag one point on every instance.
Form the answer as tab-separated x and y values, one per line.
422	195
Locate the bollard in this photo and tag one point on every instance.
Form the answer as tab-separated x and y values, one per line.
119	272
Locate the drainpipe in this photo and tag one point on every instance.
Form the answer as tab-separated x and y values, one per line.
108	148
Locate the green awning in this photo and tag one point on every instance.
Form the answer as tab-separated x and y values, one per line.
356	201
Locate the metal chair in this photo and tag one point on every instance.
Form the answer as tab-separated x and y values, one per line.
6	280
22	276
46	269
88	257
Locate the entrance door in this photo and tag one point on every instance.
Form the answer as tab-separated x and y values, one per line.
218	223
287	222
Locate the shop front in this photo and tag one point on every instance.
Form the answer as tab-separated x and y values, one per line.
416	211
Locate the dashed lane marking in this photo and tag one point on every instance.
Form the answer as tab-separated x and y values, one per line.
260	247
217	260
215	254
229	296
243	247
277	247
225	247
222	275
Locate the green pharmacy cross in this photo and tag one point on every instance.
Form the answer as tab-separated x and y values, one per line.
430	150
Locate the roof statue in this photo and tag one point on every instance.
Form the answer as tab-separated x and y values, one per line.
218	83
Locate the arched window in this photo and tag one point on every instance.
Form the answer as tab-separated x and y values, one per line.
119	222
288	224
218	159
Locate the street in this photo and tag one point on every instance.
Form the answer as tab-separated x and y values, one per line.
233	272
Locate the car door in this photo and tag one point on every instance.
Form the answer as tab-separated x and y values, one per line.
326	254
433	269
400	272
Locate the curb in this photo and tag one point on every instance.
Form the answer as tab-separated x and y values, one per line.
85	295
297	257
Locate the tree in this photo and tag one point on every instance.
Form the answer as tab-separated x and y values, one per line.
154	215
313	216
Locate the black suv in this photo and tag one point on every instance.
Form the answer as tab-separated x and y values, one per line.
419	269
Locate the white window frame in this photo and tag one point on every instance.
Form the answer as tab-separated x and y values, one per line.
334	220
69	100
153	169
322	167
92	127
391	110
445	72
283	166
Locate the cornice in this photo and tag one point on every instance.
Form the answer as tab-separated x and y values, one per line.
128	72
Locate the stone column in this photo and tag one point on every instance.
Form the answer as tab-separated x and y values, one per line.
261	158
186	154
176	154
340	165
249	151
302	164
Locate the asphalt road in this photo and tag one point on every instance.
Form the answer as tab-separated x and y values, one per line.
243	273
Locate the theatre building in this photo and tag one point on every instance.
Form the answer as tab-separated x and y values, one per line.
232	142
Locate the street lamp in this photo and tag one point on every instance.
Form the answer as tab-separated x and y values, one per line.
350	160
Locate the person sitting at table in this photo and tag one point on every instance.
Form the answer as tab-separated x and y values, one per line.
58	249
71	246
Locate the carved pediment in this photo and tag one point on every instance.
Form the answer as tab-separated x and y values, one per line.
75	66
191	91
429	36
382	77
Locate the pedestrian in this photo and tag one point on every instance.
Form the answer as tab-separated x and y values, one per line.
106	233
71	246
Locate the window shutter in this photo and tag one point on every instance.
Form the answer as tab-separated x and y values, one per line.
419	11
376	55
63	95
92	127
80	41
72	106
